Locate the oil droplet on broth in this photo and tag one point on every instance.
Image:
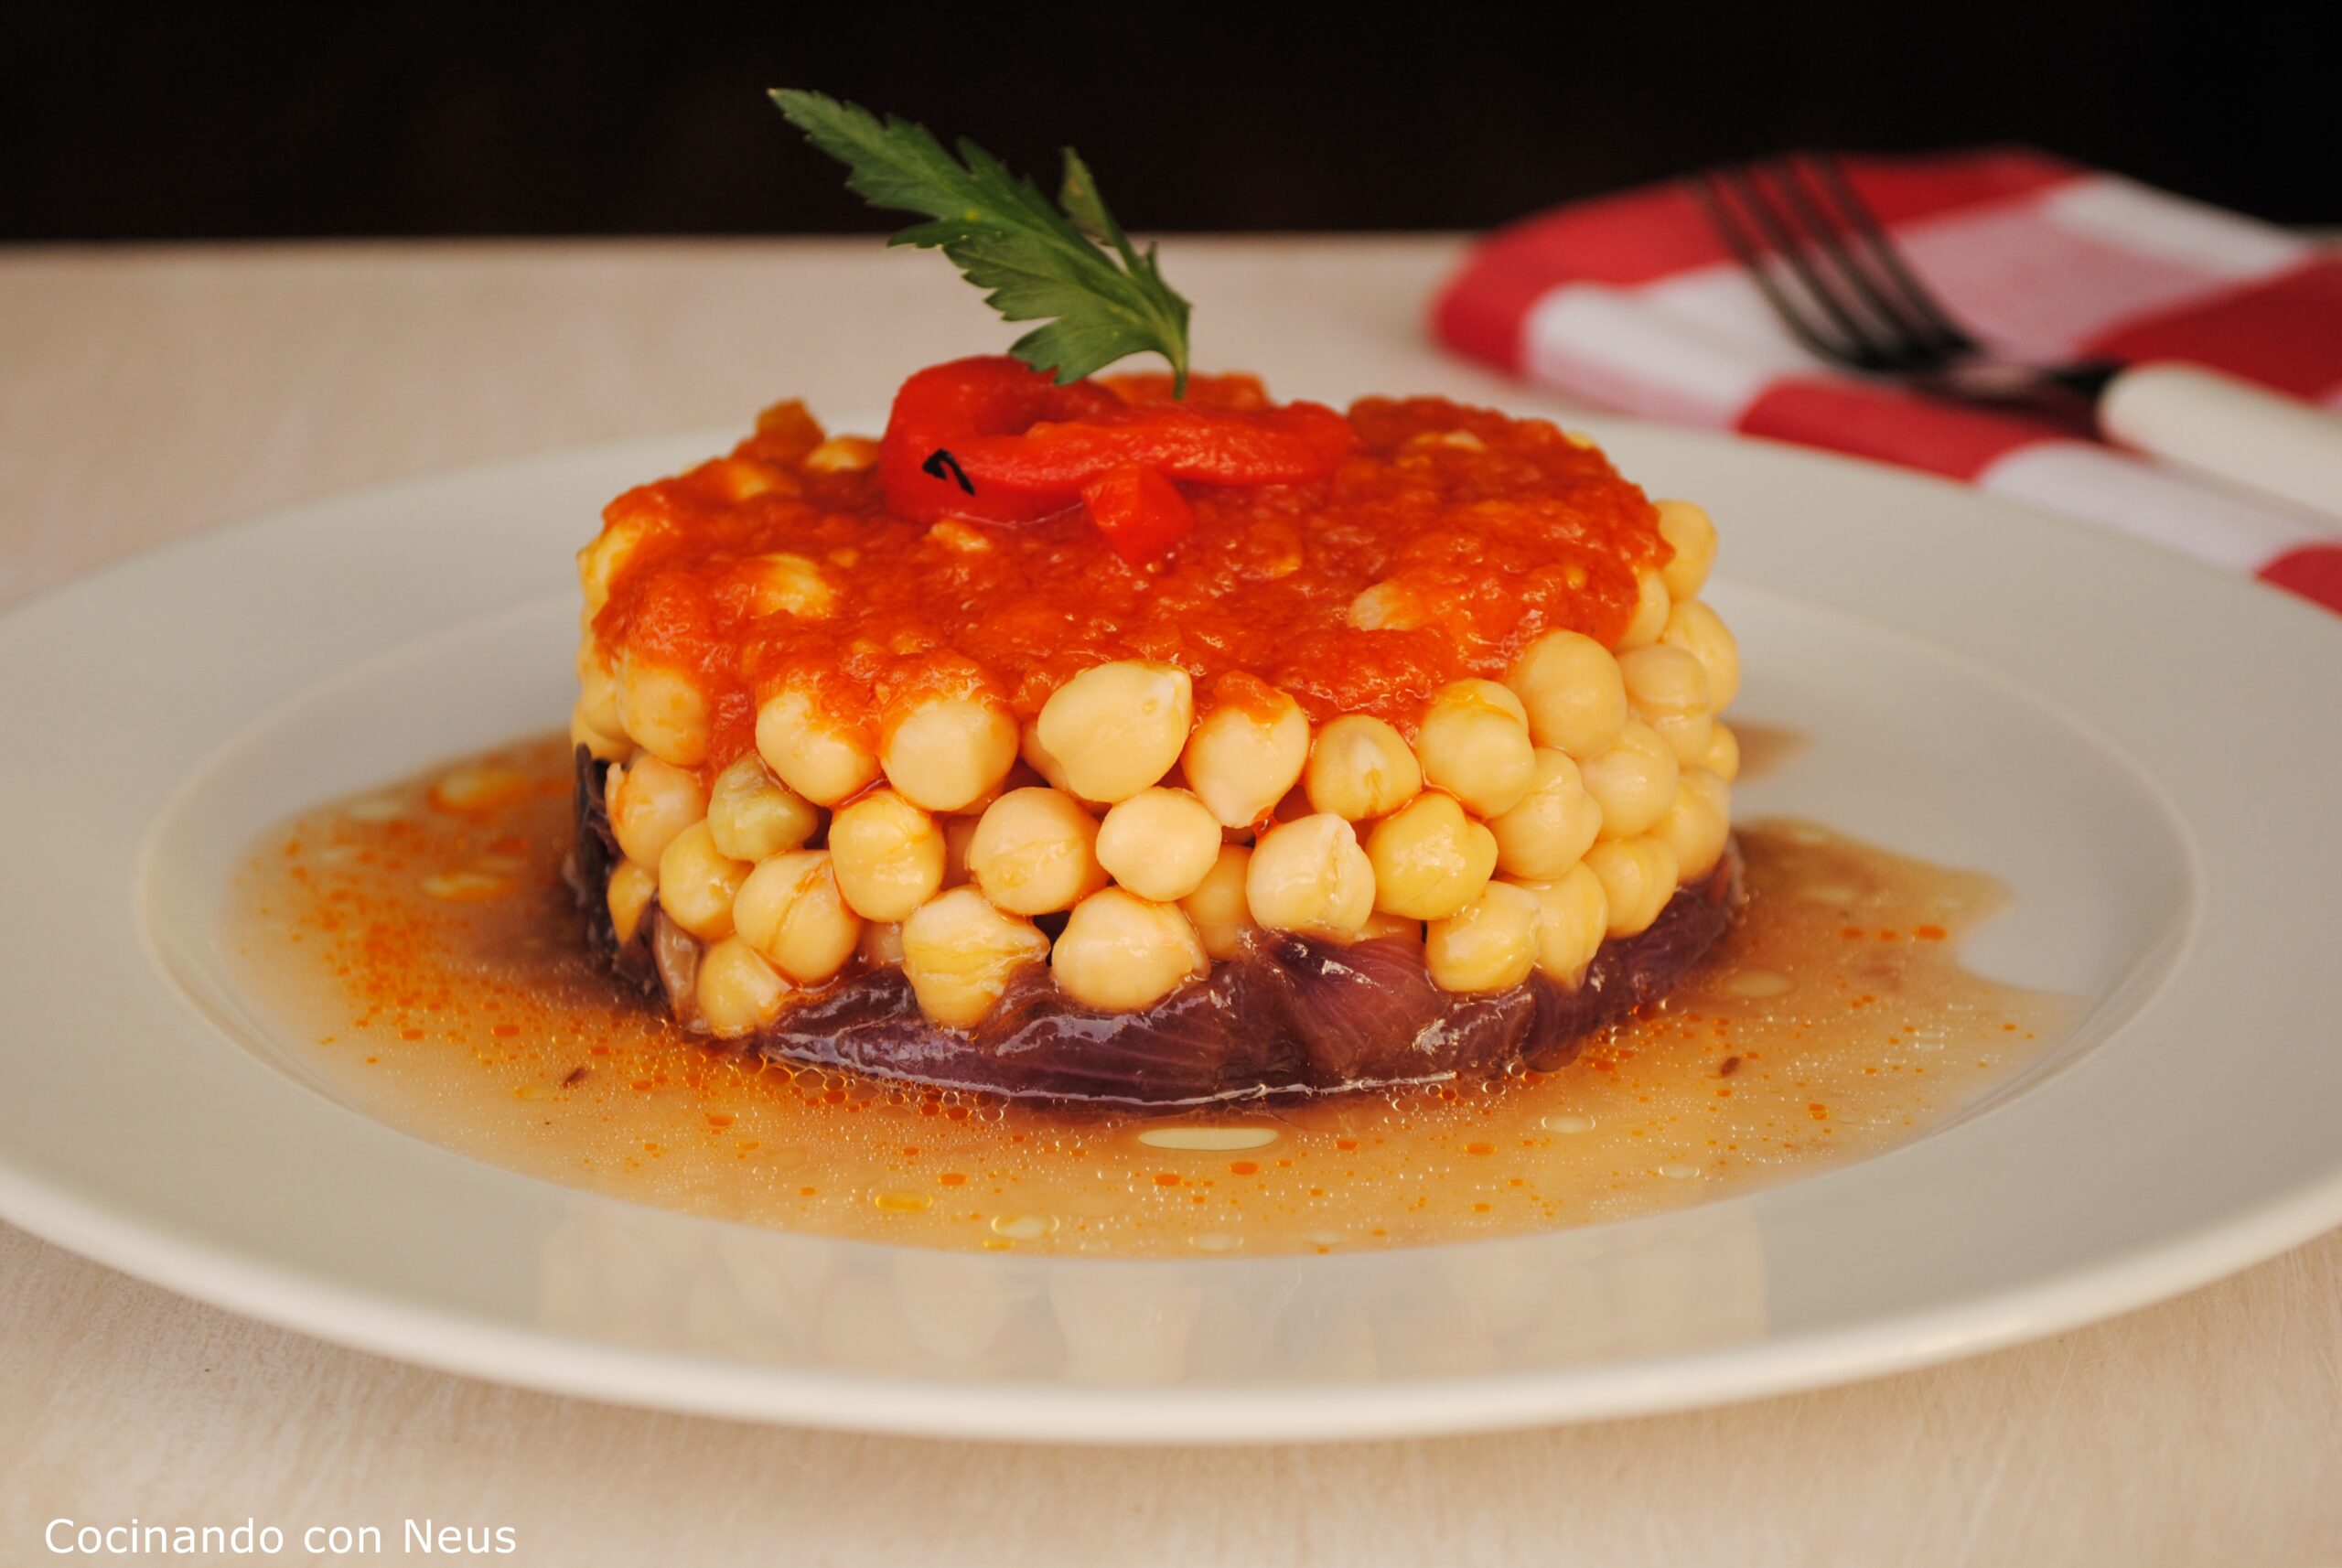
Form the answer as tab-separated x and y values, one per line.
481	1022
1023	1226
1207	1140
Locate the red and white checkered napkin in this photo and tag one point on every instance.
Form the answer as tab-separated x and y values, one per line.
1632	302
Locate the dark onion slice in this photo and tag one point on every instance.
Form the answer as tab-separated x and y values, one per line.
1357	1012
1287	1015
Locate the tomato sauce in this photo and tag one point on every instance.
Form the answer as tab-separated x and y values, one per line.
1482	532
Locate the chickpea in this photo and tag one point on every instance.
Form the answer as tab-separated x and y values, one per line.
1160	843
947	753
960	954
1723	753
1573	917
1638	878
1114	729
1687	529
598	564
790	910
605	745
664	710
753	816
842	454
738	992
1548	831
1570	688
822	760
1119	952
1490	944
1663	682
791	584
1650	617
1361	767
1668	690
744	479
1310	875
652	800
1475	745
697	882
1243	757
1386	607
1429	858
597	689
886	855
1034	852
1217	907
1041	760
1698	823
1633	782
628	894
1701	632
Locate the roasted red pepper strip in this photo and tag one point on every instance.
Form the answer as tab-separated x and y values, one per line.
1141	513
944	407
994	441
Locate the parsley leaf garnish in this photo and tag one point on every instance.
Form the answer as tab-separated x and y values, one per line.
1069	265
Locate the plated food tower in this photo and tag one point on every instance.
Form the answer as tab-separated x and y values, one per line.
1144	739
1084	718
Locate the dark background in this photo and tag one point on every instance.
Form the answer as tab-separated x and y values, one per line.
194	121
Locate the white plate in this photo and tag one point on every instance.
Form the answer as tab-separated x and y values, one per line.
2146	752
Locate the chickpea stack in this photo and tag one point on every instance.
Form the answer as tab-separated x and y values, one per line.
1529	819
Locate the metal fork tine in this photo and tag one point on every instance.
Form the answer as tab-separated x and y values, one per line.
1914	343
1856	302
1887	257
1869	352
1709	193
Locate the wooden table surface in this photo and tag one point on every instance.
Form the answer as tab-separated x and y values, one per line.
144	393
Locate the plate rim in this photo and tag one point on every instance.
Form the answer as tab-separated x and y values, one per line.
1144	1417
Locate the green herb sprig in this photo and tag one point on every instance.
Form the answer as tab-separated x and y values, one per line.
1069	265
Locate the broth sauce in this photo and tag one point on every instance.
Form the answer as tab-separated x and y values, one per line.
417	946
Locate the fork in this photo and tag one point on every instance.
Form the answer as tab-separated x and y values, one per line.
1842	288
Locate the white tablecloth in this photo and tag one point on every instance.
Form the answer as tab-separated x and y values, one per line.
147	393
